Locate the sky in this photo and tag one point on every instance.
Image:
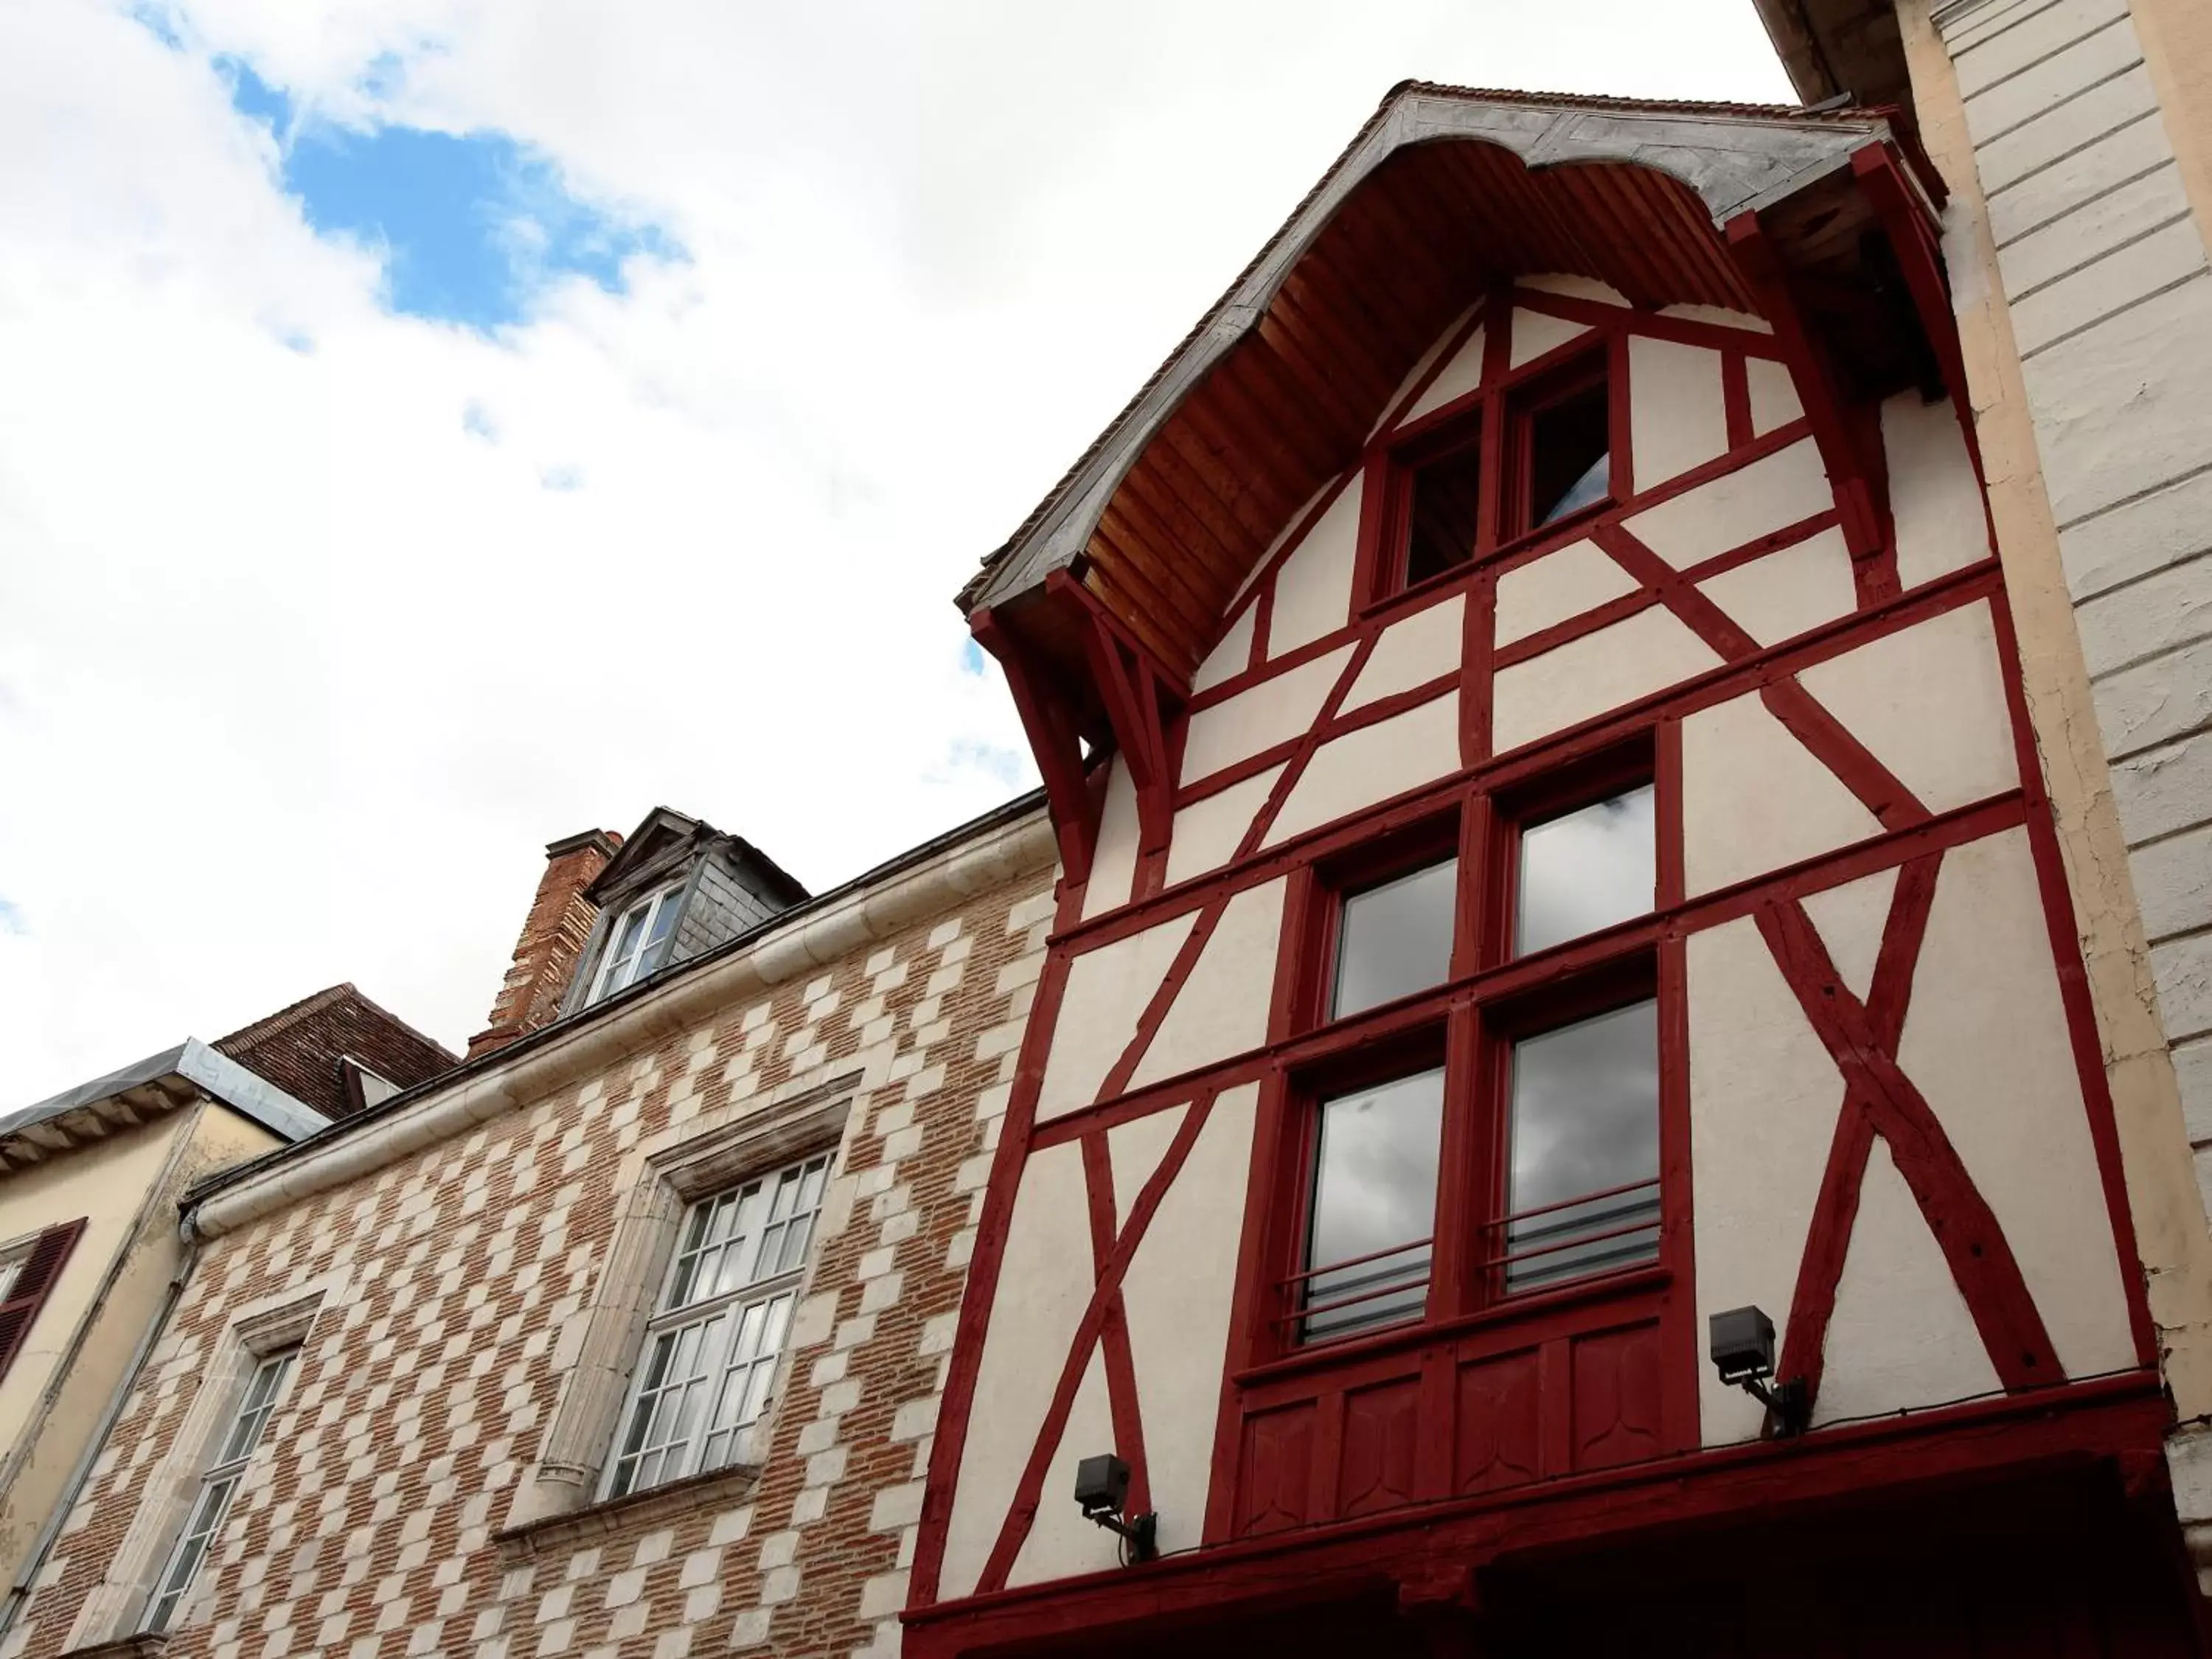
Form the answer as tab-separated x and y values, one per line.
432	427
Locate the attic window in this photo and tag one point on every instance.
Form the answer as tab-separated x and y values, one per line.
1561	439
637	943
1444	507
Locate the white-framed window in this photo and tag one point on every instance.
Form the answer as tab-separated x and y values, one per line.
218	1482
711	1346
634	943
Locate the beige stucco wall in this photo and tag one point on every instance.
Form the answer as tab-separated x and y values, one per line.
2016	433
127	1187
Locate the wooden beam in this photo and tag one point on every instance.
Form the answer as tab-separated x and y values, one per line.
1855	473
1055	742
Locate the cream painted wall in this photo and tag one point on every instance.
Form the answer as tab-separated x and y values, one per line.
1646	652
1535	333
1313	590
1462	375
1107	989
1278	708
1222	1008
1043	1288
1422	647
1789	593
1754	799
1678	416
1114	861
1206	832
1740	507
1372	764
1560	586
127	1187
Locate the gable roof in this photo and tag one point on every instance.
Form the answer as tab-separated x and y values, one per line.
132	1095
668	838
1475	185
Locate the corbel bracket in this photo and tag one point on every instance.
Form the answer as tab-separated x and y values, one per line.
1141	696
1851	450
1913	239
1056	741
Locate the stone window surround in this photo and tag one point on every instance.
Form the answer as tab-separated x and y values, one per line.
659	1180
113	1612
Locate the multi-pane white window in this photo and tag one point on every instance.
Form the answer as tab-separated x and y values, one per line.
635	944
217	1484
711	1348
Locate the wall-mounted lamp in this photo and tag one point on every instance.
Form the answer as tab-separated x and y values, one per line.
1102	1490
1741	1343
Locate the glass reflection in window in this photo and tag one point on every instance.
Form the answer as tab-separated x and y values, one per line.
1584	1194
1374	1205
1395	938
1585	870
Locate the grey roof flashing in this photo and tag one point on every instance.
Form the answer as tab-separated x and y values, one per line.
216	1075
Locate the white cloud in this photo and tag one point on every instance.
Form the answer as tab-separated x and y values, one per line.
302	661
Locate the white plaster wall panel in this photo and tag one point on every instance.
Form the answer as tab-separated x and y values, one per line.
1230	656
1312	589
1420	368
1578	577
2165	610
1372	764
2164	789
2039	88
1719	317
1462	375
1764	1096
1535	333
1850	919
2156	702
1206	833
1222	1009
1177	1294
1280	708
2182	969
1677	414
1977	24
1986	1041
1930	701
1789	591
1414	651
2173	883
1061	1543
1573	287
2135	209
2115	281
1774	400
1934	499
2076	180
2005	162
1290	529
1756	799
1039	1303
1901	1336
1135	1149
1984	57
2161	526
1114	861
1107	989
1751	502
1601	671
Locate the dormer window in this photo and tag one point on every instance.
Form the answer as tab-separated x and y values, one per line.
638	942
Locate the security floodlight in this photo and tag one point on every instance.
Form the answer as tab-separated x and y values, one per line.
1101	1491
1741	1343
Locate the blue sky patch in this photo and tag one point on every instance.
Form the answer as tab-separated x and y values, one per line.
472	227
11	918
971	658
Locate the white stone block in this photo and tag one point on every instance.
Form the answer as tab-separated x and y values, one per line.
2006	160
2094	228
895	1507
2157	702
2169	524
883	1596
2129	274
2164	790
2037	35
2182	969
2145	618
2039	89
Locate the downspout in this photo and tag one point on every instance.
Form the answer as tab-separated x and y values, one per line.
19	1591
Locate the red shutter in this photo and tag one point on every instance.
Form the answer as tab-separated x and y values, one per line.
29	1292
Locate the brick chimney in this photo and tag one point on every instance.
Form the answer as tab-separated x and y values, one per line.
553	936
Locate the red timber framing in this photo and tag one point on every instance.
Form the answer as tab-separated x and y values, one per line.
1496	1422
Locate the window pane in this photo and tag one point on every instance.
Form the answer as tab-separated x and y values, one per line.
1447	500
1395	938
1569	463
1374	1190
1585	1121
1585	870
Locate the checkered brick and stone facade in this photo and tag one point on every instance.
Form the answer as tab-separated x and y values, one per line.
449	1268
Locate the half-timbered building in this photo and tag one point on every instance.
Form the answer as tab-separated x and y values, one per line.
1564	1112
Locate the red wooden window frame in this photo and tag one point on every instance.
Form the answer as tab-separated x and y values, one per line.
1500	420
1472	1030
42	1268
